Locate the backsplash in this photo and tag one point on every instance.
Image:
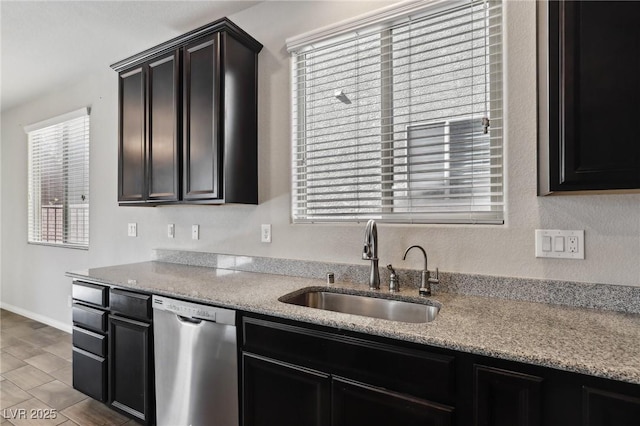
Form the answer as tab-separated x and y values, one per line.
599	296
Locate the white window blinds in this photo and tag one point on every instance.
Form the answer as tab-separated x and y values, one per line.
58	205
401	121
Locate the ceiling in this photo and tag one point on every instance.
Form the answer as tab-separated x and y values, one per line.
49	44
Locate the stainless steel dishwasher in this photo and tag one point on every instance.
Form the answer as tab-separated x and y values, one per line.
196	364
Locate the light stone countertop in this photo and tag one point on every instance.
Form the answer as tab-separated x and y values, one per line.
589	341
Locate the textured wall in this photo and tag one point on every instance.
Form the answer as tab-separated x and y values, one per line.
33	276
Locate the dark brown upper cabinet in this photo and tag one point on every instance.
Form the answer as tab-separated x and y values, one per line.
188	120
589	86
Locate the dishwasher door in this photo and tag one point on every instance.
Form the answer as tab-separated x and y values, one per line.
196	364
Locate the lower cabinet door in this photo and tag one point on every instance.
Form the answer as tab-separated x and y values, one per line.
90	374
130	367
357	404
602	408
276	393
506	398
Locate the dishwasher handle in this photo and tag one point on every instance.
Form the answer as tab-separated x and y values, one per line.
188	320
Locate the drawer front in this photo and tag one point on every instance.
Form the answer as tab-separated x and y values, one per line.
90	374
130	304
395	367
87	317
90	293
90	341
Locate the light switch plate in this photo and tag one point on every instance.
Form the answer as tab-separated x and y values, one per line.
265	235
557	243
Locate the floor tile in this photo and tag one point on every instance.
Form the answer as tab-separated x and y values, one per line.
65	375
6	341
18	330
10	395
34	412
23	350
48	362
28	377
61	349
91	412
8	362
53	332
39	339
57	395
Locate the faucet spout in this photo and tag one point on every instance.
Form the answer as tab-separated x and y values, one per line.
425	280
370	252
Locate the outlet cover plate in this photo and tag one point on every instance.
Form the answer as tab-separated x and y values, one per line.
265	235
561	244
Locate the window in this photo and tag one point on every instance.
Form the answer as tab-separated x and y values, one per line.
58	206
400	119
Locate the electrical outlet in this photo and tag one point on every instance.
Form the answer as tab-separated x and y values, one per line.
572	244
171	230
561	244
266	233
132	230
195	232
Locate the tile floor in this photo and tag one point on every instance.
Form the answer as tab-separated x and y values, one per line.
35	378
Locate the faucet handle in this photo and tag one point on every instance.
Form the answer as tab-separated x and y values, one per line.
394	281
434	280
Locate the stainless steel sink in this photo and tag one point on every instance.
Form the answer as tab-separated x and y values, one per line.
368	306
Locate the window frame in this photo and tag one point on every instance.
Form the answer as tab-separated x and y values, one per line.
68	181
380	22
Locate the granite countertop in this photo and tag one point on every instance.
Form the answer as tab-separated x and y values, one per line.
589	341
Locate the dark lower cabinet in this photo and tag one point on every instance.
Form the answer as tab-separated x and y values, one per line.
506	398
276	393
602	407
303	374
113	348
357	404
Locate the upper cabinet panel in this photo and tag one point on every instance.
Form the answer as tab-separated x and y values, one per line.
590	75
163	150
131	148
188	120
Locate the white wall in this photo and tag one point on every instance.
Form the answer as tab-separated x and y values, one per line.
33	276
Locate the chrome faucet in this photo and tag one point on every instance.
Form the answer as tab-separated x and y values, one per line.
425	279
370	252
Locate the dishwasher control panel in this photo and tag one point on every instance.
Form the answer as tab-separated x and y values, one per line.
194	310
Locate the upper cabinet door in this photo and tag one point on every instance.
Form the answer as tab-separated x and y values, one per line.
594	95
163	159
131	167
202	167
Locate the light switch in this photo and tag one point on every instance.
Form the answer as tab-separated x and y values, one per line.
558	244
546	243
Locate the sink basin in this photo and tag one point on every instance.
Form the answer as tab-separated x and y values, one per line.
368	306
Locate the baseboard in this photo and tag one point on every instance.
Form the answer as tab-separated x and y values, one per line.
37	317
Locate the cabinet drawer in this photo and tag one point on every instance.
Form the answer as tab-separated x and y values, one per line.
130	304
87	317
396	367
90	341
90	374
90	293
